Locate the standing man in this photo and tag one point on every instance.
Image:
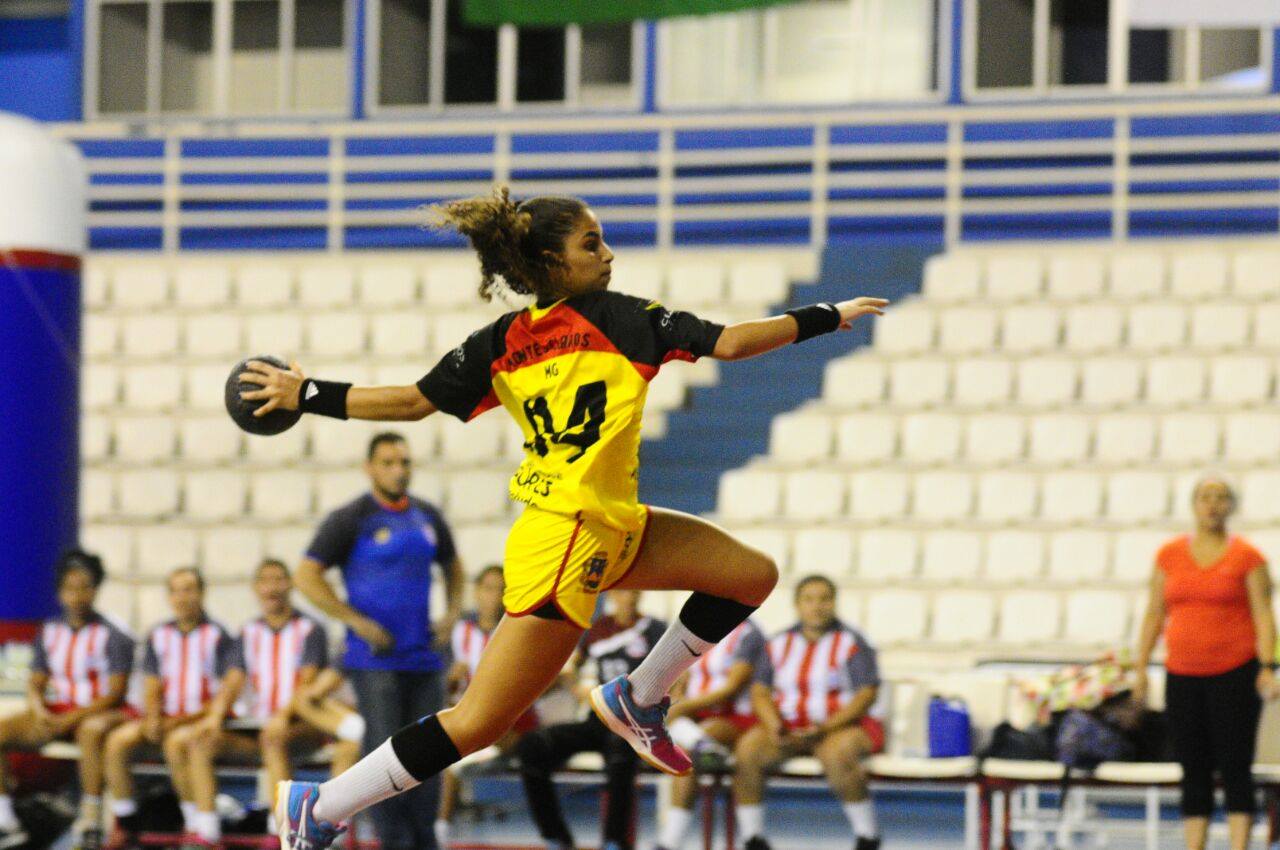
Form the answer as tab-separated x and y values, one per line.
385	542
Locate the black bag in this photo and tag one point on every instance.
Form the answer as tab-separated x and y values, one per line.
44	818
158	810
1032	744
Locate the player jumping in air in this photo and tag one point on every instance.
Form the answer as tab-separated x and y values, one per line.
573	370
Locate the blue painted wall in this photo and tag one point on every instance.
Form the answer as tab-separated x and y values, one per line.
40	62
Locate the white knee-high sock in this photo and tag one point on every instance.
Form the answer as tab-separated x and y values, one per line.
675	652
675	827
376	777
750	821
862	817
8	819
441	829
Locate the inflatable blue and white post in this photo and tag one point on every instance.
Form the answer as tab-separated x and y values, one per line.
42	237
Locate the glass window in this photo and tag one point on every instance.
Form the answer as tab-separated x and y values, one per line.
605	64
540	56
1005	44
319	55
1157	55
404	52
1078	42
255	57
1231	57
122	51
470	60
186	59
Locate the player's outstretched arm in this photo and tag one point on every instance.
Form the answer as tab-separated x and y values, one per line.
749	339
290	389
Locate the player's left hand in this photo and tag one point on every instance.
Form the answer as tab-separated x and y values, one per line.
863	306
280	387
442	628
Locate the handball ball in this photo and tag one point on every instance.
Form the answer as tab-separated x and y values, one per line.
241	410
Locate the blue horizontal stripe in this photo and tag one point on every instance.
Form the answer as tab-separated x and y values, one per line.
484	174
583	142
1206	125
854	166
1144	187
1004	163
888	193
126	206
255	147
743	170
240	179
633	173
785	231
1208	157
601	200
156	179
112	148
252	238
885	134
355	238
419	145
1041	190
763	137
879	227
693	198
1049	225
1206	222
125	238
394	203
1019	131
259	205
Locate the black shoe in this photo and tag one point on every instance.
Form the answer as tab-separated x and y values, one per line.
756	842
864	843
14	836
89	839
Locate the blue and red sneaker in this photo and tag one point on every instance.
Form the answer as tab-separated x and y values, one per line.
297	827
644	728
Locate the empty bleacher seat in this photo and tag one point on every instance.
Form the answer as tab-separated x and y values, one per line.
101	335
942	496
481	544
867	437
476	441
1189	437
213	334
982	382
1260	495
99	386
157	387
951	555
1012	278
231	604
151	605
774	542
967	330
205	386
1006	496
918	382
450	281
1256	274
750	494
140	286
1079	555
1070	496
215	495
387	285
813	495
1093	327
1220	326
280	495
758	282
112	543
878	495
828	551
1198	274
150	335
963	617
97	494
267	285
1059	438
1124	438
895	617
1134	553
274	333
336	442
1160	326
477	495
905	329
640	278
695	283
1136	274
931	437
209	439
952	278
144	439
341	486
1014	555
994	438
854	381
336	334
202	286
1097	618
801	436
95	286
1030	328
278	449
326	285
403	333
1028	617
1045	381
1175	380
1075	278
163	548
231	552
1109	381
1251	437
1241	380
95	437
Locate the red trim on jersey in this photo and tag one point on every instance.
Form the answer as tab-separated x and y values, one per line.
29	258
833	664
802	707
399	505
275	672
68	667
644	536
91	672
205	692
525	346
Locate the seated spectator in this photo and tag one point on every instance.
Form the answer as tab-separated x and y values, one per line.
470	637
191	673
615	645
79	677
279	652
713	713
814	694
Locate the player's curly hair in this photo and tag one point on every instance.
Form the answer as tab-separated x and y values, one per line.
519	241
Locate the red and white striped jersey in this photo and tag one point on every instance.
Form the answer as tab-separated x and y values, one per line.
190	665
273	659
468	641
79	661
813	680
710	672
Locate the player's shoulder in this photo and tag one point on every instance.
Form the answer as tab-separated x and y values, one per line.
429	509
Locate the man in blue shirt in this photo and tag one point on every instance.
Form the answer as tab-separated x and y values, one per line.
385	542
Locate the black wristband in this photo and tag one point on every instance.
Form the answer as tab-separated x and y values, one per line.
327	398
815	320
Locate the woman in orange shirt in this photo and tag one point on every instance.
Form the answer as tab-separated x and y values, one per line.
1211	596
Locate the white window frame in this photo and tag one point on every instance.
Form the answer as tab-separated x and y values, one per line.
1117	63
506	95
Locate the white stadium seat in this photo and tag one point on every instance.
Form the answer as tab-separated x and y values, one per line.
99	386
1013	278
878	495
774	542
1189	438
481	544
758	282
1093	327
1078	556
95	437
232	552
1111	381
1047	381
231	604
801	436
867	437
905	329
931	437
1070	496
158	387
1136	274
1029	617
1160	326
202	286
695	283
1175	380
276	450
1124	438
639	278
1030	328
97	494
1075	278
339	487
267	285
214	334
1220	326
995	438
1198	275
1097	617
982	382
941	497
335	442
1256	274
854	381
896	616
963	617
450	280
1252	437
100	336
1059	438
1241	380
274	333
151	606
949	278
215	495
477	495
1137	496
1006	496
1266	326
144	439
112	543
476	441
213	439
205	386
1134	554
1260	496
1014	555
140	286
328	285
163	548
150	335
387	285
828	551
280	495
813	495
918	382
951	556
95	286
747	494
967	330
401	334
336	334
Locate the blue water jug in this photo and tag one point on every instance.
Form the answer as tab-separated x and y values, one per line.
950	734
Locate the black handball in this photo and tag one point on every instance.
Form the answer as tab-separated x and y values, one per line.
241	410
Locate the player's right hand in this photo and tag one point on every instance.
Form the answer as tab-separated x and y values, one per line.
378	638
